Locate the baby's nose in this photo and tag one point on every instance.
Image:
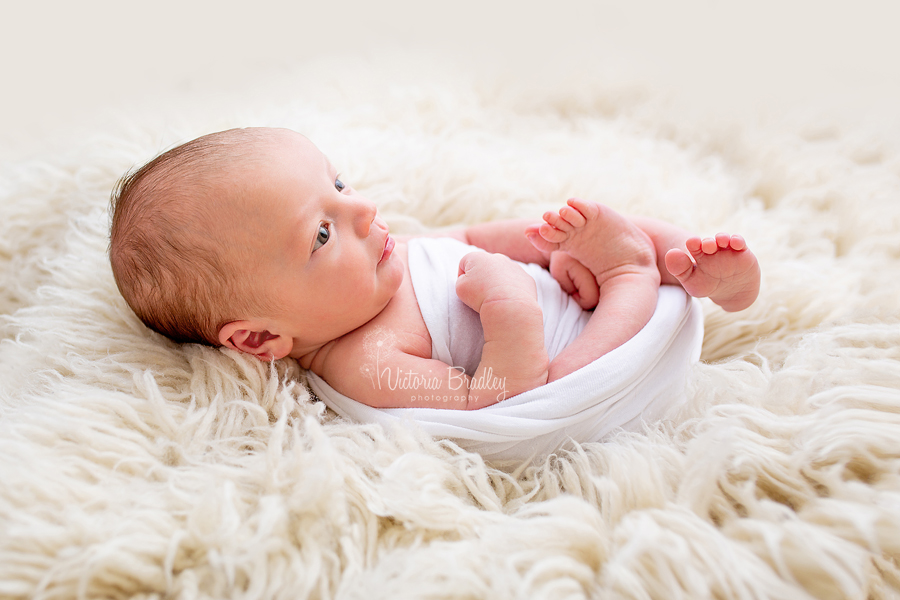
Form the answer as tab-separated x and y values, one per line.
366	213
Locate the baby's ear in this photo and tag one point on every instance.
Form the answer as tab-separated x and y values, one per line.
253	338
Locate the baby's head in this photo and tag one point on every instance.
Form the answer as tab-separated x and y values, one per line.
247	238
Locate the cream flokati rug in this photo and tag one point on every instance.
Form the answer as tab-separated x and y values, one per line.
132	467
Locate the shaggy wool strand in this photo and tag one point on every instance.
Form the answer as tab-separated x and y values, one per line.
132	467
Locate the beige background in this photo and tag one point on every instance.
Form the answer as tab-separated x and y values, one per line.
67	64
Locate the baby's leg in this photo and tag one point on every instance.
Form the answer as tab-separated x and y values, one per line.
598	237
623	261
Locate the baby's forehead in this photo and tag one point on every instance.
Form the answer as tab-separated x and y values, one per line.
276	149
233	174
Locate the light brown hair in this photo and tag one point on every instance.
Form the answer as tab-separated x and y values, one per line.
170	270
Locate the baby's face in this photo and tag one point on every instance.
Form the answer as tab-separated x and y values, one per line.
318	248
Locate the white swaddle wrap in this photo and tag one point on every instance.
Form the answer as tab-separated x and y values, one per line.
456	334
639	381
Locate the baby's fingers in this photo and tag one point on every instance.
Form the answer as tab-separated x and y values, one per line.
576	279
469	283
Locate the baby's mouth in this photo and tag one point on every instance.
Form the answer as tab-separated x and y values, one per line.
388	249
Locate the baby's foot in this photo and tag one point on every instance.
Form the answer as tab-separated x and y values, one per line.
721	268
598	237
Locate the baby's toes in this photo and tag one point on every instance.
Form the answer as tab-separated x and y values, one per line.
694	245
709	245
533	234
557	221
586	209
553	234
738	243
726	240
537	239
540	243
572	217
679	264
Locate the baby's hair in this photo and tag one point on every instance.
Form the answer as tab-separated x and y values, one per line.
168	267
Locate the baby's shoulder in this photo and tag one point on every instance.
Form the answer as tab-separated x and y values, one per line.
375	345
399	328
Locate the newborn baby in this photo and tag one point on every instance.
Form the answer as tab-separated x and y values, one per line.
249	239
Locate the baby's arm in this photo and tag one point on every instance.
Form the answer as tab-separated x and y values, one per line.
505	297
505	237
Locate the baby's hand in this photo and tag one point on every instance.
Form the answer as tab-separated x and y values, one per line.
576	279
492	277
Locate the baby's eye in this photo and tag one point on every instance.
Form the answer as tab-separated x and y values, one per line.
322	236
339	185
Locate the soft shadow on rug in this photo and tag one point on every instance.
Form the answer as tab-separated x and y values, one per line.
132	467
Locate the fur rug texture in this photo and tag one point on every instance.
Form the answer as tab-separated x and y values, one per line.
133	467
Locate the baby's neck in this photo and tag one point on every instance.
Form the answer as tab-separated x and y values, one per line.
310	354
